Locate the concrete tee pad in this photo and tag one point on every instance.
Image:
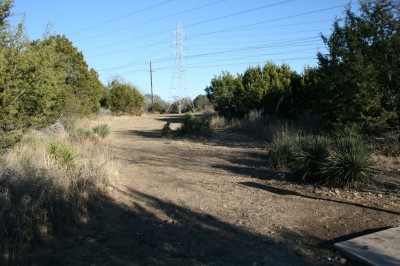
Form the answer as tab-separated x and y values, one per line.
380	248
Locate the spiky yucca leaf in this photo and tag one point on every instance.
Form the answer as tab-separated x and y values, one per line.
309	154
63	153
350	163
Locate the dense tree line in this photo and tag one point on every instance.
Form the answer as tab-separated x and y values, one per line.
268	88
357	82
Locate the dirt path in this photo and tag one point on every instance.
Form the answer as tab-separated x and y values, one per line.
212	202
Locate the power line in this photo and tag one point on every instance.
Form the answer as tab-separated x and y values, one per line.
241	50
225	65
238	13
214	32
268	21
120	17
191	25
196	45
278	26
208	44
286	42
130	49
154	20
263	34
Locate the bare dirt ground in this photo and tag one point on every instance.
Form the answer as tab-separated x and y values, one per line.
213	202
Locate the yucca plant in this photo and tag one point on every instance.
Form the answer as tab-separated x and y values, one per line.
350	163
63	153
102	130
309	154
282	152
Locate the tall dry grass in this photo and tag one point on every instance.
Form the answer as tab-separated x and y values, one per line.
268	128
41	195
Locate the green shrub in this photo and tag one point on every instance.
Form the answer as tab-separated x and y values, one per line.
8	139
102	130
85	133
63	153
282	152
192	125
350	163
125	98
309	154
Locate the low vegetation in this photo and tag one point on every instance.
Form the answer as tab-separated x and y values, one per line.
196	126
102	130
344	161
281	153
267	128
46	187
309	154
350	162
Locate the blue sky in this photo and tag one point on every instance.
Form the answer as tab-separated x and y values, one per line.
121	37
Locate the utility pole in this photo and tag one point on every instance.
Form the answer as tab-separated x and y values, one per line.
151	86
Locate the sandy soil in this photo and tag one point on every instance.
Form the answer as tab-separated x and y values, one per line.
213	202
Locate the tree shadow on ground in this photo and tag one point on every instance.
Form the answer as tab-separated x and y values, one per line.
178	118
135	235
254	164
284	192
172	118
145	134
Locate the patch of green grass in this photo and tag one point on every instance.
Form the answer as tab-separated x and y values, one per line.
102	130
62	153
85	133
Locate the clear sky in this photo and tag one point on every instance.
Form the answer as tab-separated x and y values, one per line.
121	37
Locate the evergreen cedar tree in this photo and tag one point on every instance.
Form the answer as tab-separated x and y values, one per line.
357	82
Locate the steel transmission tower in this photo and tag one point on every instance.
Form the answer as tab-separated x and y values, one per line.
179	87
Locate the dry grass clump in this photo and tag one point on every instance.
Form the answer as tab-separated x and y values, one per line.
46	186
387	162
267	128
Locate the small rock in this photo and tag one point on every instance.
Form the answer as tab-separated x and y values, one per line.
380	195
343	261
